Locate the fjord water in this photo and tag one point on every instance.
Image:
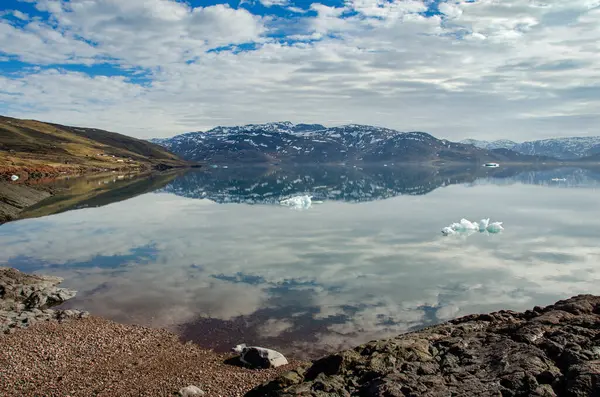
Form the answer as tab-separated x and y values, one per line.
212	256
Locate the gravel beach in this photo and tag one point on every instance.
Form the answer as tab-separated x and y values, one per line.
96	357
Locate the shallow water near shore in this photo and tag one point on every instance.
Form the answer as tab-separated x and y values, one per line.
213	256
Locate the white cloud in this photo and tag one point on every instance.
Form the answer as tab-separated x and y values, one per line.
21	15
41	44
387	9
141	33
271	3
297	10
450	10
514	69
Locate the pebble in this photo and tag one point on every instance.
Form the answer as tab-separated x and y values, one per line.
97	357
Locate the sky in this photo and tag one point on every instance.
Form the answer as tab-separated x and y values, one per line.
486	69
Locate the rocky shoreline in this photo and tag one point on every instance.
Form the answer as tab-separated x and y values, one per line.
14	198
27	299
543	352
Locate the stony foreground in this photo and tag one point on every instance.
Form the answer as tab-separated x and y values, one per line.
552	351
96	357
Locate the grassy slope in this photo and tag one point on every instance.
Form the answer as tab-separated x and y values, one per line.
37	148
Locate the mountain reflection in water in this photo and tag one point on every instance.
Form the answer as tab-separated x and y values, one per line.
254	185
368	263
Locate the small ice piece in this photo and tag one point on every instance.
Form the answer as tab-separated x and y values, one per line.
495	227
483	224
468	225
14	178
298	202
456	226
447	231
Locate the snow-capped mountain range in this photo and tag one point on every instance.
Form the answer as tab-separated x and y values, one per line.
561	148
315	143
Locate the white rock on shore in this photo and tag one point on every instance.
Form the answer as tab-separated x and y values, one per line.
260	357
190	391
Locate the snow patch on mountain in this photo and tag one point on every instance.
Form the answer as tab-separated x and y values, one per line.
303	143
490	145
560	148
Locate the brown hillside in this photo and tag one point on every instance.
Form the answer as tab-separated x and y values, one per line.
31	148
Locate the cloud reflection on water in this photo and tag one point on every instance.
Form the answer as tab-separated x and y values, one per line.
336	275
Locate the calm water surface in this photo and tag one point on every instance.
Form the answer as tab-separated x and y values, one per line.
213	257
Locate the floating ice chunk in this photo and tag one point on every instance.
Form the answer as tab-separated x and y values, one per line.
456	226
298	202
14	178
466	227
463	226
483	224
448	230
495	227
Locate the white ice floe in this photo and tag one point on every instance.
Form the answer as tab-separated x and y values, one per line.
299	202
466	227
